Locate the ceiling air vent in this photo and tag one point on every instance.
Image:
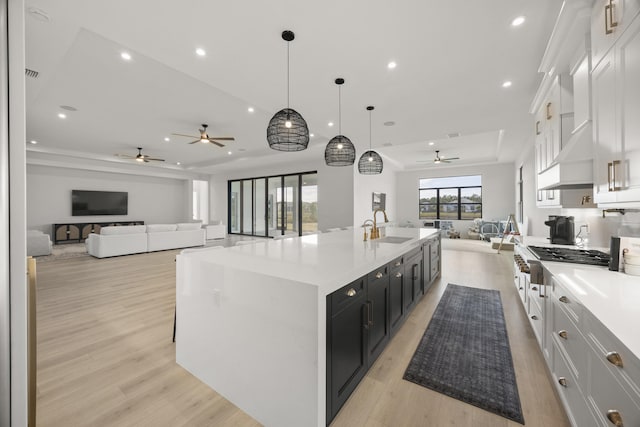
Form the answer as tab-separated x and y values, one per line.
31	73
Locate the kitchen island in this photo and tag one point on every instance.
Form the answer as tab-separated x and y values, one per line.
252	319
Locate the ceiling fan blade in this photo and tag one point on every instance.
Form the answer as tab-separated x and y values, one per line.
217	143
451	158
154	159
197	140
182	134
222	138
125	156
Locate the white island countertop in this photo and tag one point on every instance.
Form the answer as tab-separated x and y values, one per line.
326	260
251	319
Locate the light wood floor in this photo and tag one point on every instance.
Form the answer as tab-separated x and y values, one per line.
105	356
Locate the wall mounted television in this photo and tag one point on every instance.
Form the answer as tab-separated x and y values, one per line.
84	202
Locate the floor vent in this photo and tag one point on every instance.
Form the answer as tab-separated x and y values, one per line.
31	73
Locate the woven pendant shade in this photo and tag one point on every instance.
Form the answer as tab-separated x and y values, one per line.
340	150
287	130
370	162
284	138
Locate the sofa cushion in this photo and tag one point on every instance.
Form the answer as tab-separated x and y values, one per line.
123	229
154	228
189	225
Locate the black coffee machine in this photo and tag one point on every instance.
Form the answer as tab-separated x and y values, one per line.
561	230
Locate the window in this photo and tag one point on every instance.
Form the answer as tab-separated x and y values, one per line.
456	197
274	205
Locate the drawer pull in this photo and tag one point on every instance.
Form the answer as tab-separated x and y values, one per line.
520	288
534	317
614	358
398	263
398	275
534	288
615	417
562	381
379	275
563	299
351	292
563	334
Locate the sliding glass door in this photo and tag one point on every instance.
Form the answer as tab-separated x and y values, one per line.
274	205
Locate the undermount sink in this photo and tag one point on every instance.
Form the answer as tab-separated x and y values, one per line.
393	239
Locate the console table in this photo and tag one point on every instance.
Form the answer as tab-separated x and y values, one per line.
76	232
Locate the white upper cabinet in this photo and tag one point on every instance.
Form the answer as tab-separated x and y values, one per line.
616	113
609	19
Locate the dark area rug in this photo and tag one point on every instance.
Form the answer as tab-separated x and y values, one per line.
465	352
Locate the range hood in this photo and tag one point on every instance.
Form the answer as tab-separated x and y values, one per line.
573	168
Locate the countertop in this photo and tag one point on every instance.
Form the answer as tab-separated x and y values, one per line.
326	260
612	297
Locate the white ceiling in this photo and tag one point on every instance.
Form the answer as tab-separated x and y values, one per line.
452	57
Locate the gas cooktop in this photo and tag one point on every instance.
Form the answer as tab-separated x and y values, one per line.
577	256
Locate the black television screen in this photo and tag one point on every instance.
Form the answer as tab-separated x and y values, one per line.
98	202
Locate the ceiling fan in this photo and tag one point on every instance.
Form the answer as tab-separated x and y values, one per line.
205	138
439	159
140	157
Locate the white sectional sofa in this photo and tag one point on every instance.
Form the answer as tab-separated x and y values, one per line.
124	240
38	243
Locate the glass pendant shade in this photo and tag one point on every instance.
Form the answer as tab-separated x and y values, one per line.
370	163
340	152
288	131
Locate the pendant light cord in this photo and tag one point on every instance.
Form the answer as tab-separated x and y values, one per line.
288	75
339	111
369	130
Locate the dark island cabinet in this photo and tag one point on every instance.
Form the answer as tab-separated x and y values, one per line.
430	262
378	329
363	316
396	306
412	278
347	342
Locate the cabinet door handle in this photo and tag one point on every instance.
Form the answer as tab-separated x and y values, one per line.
351	292
379	275
534	288
614	358
398	275
562	381
609	23
538	127
563	334
615	418
534	317
370	313
549	116
563	299
398	263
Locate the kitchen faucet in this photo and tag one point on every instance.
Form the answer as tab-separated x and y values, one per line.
364	225
375	232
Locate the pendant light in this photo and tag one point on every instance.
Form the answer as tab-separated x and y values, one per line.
340	150
287	130
370	162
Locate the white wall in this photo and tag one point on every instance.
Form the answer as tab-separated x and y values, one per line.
151	199
498	191
365	185
335	190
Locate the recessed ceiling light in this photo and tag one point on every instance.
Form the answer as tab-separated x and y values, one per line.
178	163
250	109
506	84
200	52
431	142
167	139
126	56
62	115
518	21
330	124
389	123
33	141
311	135
229	152
391	65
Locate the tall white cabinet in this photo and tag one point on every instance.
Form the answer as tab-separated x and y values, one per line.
616	103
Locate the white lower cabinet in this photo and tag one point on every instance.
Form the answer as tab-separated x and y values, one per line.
596	376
